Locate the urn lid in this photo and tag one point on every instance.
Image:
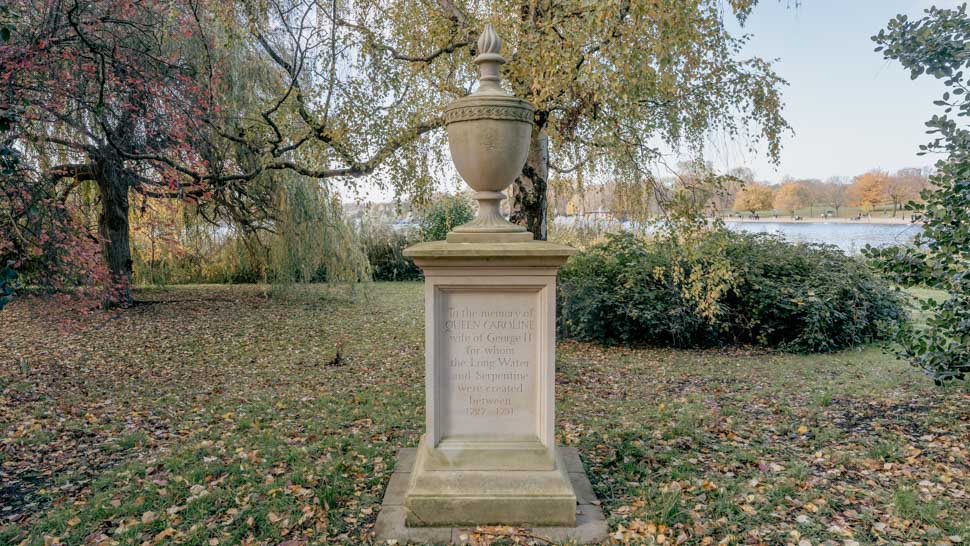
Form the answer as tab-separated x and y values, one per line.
489	101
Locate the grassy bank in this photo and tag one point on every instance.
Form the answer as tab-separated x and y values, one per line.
213	415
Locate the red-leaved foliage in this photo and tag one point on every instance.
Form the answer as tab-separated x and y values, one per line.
45	240
105	96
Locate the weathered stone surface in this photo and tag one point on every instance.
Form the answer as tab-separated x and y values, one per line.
429	535
397	486
488	364
454	497
390	527
489	454
590	528
483	236
493	251
406	457
488	135
582	487
390	521
573	462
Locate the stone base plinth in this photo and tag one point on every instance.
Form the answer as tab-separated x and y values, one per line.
590	526
488	456
504	493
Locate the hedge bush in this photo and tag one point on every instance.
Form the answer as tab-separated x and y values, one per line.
792	296
385	247
385	252
444	214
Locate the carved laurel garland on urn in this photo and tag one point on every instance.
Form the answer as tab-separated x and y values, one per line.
488	135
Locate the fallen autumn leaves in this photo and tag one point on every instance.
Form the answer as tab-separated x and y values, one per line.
213	417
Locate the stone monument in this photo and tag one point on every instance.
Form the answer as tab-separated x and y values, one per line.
489	455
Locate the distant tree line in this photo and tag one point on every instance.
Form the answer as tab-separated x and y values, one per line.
867	191
699	187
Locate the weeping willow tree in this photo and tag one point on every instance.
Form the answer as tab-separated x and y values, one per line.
311	240
307	240
208	99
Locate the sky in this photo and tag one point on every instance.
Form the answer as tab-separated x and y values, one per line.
850	109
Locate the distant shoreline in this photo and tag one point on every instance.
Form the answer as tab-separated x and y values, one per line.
899	220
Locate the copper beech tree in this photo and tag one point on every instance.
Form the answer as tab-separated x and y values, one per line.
118	95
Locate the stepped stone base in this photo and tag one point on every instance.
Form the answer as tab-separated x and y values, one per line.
469	482
391	528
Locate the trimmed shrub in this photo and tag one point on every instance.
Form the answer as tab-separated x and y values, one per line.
385	252
446	213
385	246
762	291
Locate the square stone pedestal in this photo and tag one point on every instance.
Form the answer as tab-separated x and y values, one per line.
590	527
488	456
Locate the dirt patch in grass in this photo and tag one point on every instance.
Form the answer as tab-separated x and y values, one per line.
213	417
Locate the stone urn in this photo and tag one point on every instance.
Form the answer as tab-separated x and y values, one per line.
488	135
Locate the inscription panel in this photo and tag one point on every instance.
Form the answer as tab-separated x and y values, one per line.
487	365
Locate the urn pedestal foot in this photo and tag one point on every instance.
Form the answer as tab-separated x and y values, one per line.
489	226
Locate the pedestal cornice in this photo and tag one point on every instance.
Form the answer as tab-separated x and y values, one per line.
448	254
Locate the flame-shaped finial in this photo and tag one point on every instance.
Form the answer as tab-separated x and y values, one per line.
488	61
489	42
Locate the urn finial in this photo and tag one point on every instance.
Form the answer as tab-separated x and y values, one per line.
488	134
489	41
489	60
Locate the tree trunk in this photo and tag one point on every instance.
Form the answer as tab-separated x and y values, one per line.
529	197
113	228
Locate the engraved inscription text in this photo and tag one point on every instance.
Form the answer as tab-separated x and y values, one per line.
487	363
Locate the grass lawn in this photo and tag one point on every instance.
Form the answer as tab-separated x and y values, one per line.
215	415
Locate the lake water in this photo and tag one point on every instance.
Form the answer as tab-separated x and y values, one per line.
850	237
